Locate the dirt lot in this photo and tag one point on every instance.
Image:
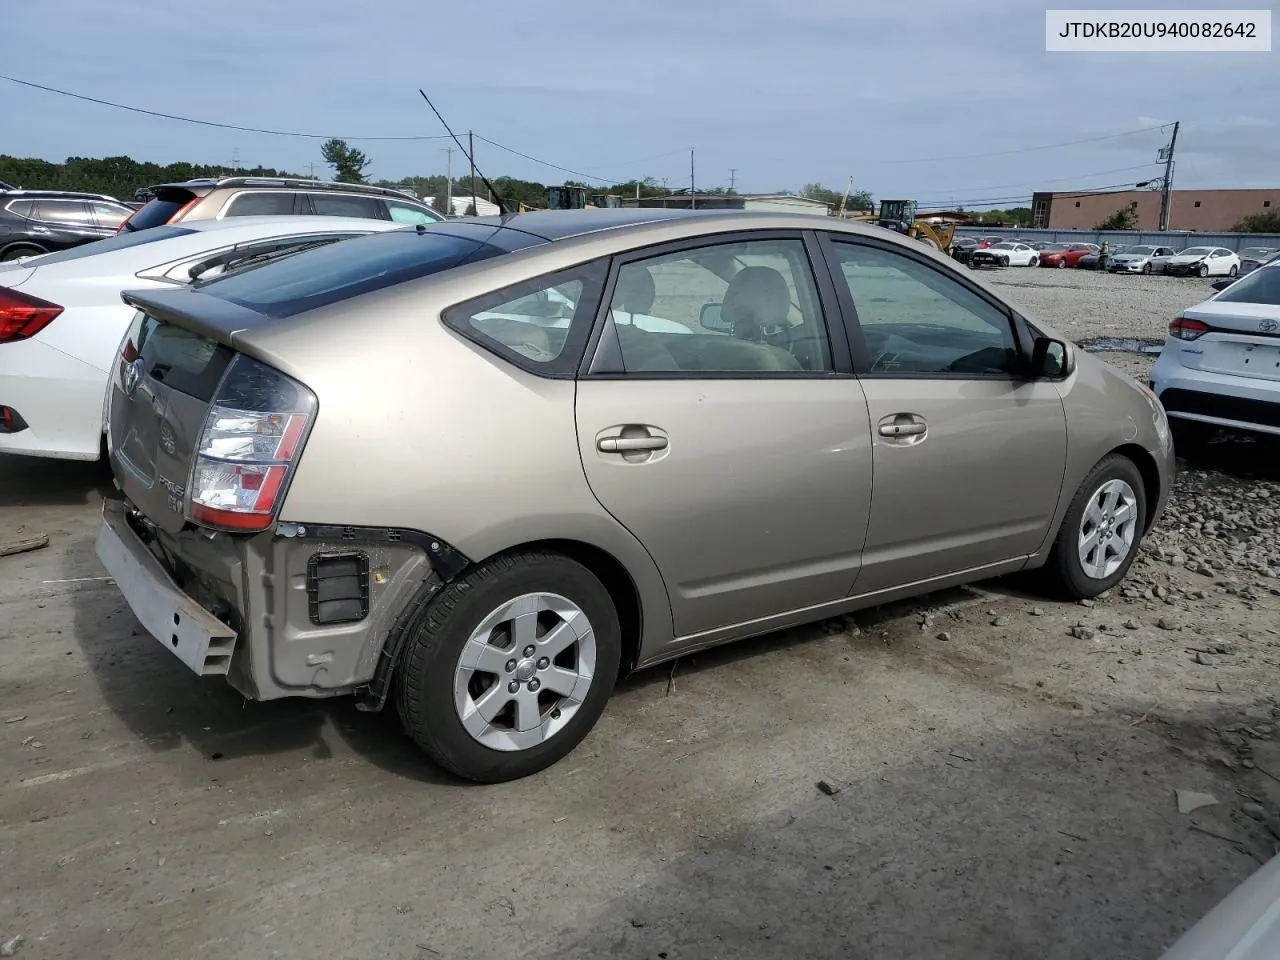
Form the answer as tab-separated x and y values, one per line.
1005	765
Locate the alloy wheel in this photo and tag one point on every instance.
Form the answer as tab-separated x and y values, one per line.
1108	529
525	671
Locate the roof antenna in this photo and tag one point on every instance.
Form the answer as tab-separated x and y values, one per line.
502	204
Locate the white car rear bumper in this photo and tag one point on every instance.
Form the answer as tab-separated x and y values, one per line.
59	397
1242	403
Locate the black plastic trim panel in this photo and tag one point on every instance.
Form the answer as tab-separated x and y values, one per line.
445	560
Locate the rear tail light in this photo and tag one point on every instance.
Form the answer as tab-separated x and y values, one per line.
1184	329
11	421
250	444
23	316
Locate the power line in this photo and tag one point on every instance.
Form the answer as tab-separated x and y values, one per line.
1032	183
203	123
547	163
1003	153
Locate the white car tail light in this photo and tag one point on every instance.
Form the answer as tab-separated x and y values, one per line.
249	446
1184	329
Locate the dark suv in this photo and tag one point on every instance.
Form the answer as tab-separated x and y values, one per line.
270	196
40	221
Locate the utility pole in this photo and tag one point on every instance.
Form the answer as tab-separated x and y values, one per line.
733	177
1166	199
235	158
471	152
693	197
311	169
448	182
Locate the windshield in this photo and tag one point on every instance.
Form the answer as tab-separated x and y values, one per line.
1121	249
1002	246
1255	253
1052	248
118	242
1140	251
1261	286
1196	252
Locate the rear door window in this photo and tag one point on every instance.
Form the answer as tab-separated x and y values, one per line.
346	205
317	278
63	211
260	203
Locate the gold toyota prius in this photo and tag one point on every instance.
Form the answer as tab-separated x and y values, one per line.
481	467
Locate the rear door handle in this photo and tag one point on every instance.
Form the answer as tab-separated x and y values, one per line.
902	429
626	444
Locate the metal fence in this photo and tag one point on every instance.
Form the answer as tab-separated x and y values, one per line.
1173	238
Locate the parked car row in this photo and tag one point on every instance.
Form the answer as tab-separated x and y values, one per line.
1204	261
34	222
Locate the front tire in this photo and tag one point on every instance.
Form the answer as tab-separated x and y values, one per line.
1203	271
16	253
1101	531
1146	268
510	666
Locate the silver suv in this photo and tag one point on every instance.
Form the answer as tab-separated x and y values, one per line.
275	196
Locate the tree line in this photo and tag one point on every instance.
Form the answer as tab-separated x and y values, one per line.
122	177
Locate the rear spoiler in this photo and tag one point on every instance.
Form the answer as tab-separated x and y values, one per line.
212	317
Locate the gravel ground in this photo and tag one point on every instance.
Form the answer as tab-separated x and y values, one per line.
998	769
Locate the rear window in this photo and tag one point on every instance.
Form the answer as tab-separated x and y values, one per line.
155	213
119	242
1260	286
261	203
317	278
328	205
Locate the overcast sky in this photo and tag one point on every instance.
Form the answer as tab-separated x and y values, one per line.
785	91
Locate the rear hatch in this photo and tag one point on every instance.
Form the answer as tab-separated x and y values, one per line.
163	208
164	383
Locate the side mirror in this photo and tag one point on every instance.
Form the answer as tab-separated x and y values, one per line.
1223	283
1052	359
709	317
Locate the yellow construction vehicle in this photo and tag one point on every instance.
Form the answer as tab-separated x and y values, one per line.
900	215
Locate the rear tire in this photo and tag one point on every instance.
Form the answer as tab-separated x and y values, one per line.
1232	272
1062	264
1101	531
1033	262
464	703
15	253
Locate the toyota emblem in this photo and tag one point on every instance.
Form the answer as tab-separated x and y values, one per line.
132	374
1269	326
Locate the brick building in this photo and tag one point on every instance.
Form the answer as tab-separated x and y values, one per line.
1206	211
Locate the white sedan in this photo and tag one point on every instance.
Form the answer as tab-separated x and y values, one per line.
1220	366
1005	254
1203	262
62	319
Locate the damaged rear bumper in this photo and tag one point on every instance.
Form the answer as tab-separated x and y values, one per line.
311	611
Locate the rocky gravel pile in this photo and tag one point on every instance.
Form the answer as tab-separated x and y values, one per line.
1215	525
1084	304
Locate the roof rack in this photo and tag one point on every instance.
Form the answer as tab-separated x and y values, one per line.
69	194
293	182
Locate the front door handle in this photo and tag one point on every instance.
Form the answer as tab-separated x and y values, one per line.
903	427
628	444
